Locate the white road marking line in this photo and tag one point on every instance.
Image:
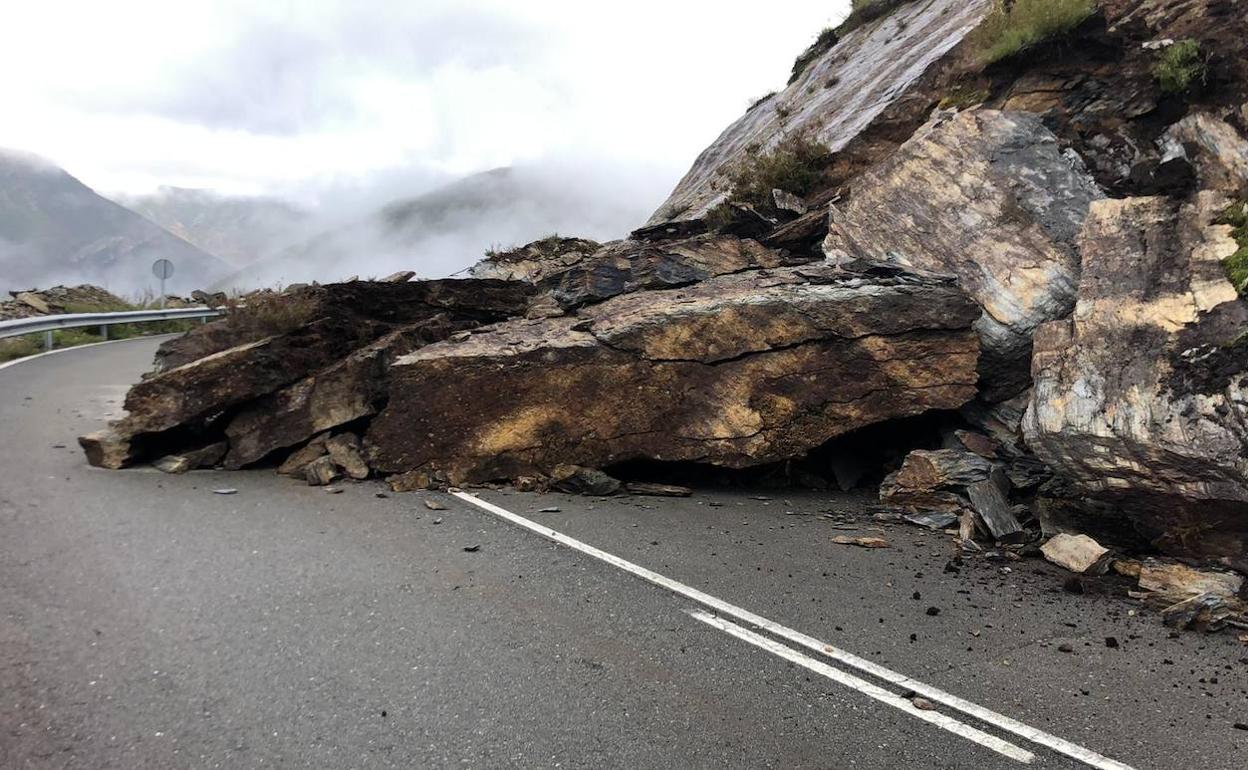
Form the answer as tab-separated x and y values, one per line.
1000	721
866	688
53	352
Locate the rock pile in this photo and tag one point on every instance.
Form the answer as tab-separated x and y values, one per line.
1050	272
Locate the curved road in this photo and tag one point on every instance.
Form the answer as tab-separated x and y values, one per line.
147	622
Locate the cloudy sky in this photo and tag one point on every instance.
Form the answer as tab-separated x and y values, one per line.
293	96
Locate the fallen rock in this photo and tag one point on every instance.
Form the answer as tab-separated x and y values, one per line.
1177	582
577	480
954	482
402	276
736	371
303	456
989	197
1139	403
656	490
1077	553
345	317
321	472
861	541
205	457
107	448
434	505
344	450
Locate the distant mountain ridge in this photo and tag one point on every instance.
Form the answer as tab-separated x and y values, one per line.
55	229
448	229
238	229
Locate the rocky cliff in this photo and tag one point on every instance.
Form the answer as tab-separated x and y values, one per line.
1024	225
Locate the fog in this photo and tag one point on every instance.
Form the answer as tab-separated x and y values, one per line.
342	107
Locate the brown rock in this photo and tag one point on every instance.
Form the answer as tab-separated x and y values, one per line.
656	490
205	457
861	542
735	371
1077	553
344	450
303	456
321	471
107	448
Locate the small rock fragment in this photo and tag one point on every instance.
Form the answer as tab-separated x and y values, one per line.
578	480
1065	648
472	548
933	611
923	704
300	458
656	490
550	509
1077	553
344	450
434	505
1111	642
321	472
225	491
861	542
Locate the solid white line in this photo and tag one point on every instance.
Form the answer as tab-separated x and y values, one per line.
1000	721
866	688
17	361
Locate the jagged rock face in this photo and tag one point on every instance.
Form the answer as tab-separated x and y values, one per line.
1139	397
987	196
736	371
867	76
575	276
534	261
336	395
193	398
628	266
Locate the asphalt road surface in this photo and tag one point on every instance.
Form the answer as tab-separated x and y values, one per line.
147	622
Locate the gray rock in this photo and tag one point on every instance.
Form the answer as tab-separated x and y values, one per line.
1139	398
989	197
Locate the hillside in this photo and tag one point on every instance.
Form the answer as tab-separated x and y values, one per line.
446	230
239	230
54	229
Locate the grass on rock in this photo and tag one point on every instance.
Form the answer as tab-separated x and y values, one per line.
1012	28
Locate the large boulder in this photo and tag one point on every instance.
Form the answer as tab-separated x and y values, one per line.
987	196
1139	397
192	400
735	371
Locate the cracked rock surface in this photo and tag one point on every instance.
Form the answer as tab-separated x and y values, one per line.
735	371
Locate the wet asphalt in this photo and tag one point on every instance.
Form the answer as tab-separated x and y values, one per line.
146	621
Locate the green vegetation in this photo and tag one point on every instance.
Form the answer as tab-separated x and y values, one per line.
963	96
794	166
30	344
261	315
1236	265
1179	66
1012	28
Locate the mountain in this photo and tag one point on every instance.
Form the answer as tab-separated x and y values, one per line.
446	230
54	229
237	229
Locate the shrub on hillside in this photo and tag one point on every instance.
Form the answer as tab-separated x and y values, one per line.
1012	28
1179	66
795	166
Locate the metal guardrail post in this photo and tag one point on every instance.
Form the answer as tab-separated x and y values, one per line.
48	342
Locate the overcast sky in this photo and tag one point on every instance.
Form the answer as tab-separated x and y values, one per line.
288	97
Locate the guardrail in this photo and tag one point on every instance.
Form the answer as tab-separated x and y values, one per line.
50	323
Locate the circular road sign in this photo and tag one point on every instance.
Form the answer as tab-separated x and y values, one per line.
162	269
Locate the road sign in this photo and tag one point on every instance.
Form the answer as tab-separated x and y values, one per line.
162	269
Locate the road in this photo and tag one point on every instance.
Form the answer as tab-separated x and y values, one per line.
147	622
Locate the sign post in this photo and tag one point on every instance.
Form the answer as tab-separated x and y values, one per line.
162	269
